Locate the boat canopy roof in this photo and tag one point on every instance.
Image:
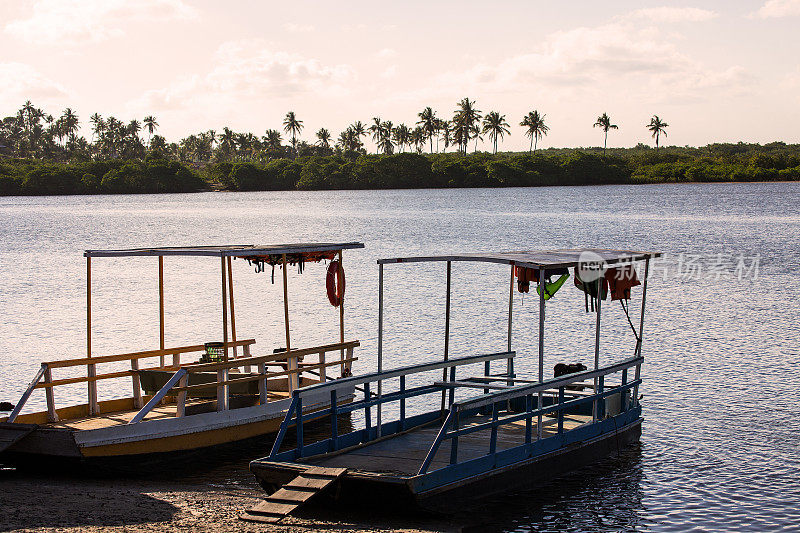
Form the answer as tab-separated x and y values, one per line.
542	259
230	250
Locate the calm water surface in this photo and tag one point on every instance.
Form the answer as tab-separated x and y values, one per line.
720	447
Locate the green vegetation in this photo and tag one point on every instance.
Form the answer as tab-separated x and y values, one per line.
30	177
43	155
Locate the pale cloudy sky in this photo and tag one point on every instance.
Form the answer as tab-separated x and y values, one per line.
714	70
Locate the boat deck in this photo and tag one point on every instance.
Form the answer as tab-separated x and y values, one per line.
403	454
119	418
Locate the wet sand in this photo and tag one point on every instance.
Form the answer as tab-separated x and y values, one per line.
43	503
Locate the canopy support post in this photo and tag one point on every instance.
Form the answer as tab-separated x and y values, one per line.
541	351
638	351
230	302
345	369
91	369
380	346
510	361
596	404
222	375
291	362
446	330
161	343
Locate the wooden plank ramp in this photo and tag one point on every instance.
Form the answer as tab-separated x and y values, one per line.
292	495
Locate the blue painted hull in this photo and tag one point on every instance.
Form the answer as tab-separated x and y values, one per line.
517	468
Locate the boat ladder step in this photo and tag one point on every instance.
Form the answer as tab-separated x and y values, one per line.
292	495
11	433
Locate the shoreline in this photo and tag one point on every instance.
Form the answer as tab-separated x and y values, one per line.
575	186
43	503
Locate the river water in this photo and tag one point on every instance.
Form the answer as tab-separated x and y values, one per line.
720	448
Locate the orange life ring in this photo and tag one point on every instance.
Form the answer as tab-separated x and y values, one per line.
335	283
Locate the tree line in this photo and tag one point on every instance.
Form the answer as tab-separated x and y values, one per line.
33	133
41	154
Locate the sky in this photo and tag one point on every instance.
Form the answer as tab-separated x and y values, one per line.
715	71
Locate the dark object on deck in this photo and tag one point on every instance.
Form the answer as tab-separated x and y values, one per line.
6	406
562	369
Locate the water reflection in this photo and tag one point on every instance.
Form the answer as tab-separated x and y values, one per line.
606	496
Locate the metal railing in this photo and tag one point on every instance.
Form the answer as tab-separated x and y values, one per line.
295	416
527	393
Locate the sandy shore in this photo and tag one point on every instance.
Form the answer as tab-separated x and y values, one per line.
37	503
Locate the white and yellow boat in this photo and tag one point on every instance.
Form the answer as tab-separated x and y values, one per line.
178	403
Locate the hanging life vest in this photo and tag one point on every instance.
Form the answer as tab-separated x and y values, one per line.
526	275
620	280
334	283
617	281
592	290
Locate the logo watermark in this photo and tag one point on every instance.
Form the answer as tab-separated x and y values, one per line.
694	267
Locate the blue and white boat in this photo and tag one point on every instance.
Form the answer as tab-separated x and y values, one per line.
421	445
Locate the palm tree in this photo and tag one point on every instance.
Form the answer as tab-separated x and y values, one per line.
359	130
324	137
293	126
227	141
273	140
97	125
447	133
134	127
496	126
536	128
151	126
657	127
429	123
465	123
376	128
350	140
604	122
70	122
212	137
385	141
402	136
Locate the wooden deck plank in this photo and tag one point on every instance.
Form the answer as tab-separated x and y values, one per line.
405	453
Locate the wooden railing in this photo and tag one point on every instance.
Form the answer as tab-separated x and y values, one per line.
178	384
44	378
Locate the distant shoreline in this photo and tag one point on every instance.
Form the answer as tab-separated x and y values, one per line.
552	167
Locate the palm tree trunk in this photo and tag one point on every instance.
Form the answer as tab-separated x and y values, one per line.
535	143
605	142
531	147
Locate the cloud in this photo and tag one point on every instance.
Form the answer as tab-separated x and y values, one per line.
390	72
21	82
298	28
249	70
76	21
619	57
386	53
672	14
778	8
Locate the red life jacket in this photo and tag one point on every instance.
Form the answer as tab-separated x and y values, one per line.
620	280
